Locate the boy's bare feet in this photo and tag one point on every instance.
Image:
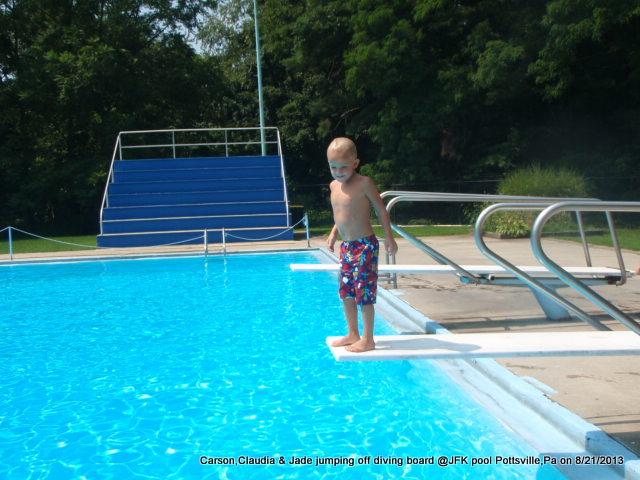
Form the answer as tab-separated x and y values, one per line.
362	345
346	340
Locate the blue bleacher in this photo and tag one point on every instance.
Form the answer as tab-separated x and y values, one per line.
161	201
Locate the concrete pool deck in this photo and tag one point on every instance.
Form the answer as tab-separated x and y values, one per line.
604	391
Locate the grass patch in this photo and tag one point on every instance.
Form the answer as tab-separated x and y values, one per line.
37	245
629	238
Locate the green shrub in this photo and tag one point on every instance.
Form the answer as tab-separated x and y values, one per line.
511	224
544	182
533	181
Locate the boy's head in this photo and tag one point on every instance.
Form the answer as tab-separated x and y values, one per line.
342	147
343	158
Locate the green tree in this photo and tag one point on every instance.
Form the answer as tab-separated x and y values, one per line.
304	45
588	72
433	91
73	75
303	77
437	91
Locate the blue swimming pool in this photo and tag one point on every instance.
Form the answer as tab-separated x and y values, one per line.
207	368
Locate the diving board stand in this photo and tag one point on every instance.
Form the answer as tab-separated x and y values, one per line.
494	345
498	275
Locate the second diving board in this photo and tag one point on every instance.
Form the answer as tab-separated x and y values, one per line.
495	345
474	269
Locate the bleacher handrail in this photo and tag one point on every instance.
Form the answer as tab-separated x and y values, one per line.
105	195
284	178
174	144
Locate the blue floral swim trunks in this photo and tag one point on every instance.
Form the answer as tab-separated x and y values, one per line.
359	270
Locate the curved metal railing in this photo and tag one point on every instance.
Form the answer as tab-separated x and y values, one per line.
566	277
550	206
527	279
408	196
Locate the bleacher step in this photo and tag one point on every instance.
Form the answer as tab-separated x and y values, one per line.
161	201
226	184
191	237
195	162
184	198
202	209
194	223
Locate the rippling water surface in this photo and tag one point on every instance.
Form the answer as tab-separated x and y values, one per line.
146	369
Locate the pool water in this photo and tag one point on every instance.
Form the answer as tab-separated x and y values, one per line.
146	369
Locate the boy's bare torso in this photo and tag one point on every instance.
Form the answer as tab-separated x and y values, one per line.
351	208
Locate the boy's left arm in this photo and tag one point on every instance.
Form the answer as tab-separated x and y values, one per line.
378	205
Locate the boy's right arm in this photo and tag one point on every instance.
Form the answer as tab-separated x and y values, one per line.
333	236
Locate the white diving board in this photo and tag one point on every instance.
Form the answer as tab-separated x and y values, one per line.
473	269
495	345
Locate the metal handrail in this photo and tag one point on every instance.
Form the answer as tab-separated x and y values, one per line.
470	197
173	143
105	196
562	274
284	178
119	147
201	144
517	272
408	196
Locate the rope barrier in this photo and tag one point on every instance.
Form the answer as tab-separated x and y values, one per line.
53	239
258	239
303	220
202	236
95	246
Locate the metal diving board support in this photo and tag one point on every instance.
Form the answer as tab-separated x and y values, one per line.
564	275
408	196
555	306
494	345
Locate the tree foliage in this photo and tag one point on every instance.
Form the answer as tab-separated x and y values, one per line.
73	74
433	91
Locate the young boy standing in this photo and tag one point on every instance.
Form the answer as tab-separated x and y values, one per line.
352	196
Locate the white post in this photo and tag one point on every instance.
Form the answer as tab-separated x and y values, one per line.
305	220
10	245
206	244
224	242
